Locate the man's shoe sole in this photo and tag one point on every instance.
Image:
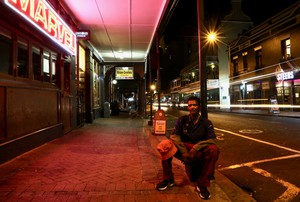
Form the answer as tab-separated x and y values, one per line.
164	188
200	195
204	197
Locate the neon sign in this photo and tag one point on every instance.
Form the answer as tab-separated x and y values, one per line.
43	17
83	35
285	76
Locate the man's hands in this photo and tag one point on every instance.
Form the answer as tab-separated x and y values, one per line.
189	156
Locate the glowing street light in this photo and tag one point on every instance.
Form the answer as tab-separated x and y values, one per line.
152	87
212	37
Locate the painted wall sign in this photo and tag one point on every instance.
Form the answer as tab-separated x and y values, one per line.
40	14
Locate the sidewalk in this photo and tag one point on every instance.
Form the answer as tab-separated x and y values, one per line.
114	159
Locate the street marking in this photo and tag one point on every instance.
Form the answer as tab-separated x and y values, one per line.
260	141
291	192
219	136
249	164
250	131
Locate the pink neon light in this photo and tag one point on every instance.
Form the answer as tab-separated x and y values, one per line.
42	16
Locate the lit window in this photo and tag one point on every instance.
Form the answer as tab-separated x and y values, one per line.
46	66
286	49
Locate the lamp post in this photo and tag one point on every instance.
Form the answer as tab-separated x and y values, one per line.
224	73
212	37
152	89
202	68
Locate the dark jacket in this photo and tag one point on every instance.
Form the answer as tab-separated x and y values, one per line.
201	134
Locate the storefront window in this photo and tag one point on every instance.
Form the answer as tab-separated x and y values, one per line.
46	66
36	63
96	84
265	86
297	91
53	66
283	92
5	51
81	67
22	66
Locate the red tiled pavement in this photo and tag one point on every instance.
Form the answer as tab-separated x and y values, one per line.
114	159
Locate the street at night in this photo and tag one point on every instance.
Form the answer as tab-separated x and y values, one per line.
261	154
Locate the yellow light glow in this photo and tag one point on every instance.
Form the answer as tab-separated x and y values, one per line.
212	37
152	87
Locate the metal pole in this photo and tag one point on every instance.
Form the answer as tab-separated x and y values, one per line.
150	83
229	63
158	71
202	68
151	103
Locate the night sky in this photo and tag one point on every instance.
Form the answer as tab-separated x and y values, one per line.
215	10
257	10
260	10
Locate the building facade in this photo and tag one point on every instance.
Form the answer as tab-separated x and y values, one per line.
215	61
50	82
265	63
257	68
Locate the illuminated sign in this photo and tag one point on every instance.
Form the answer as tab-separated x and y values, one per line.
212	83
124	73
285	76
43	17
83	35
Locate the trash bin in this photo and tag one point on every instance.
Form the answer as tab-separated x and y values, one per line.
106	110
159	122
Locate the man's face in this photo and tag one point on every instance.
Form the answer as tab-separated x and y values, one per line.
193	107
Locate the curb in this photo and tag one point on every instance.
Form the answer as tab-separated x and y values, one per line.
224	189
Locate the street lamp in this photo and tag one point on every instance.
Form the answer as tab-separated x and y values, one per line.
152	89
202	68
212	37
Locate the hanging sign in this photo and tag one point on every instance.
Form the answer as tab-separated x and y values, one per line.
40	14
124	73
83	35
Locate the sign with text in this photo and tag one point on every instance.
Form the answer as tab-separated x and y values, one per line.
40	14
124	73
83	35
160	126
285	76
